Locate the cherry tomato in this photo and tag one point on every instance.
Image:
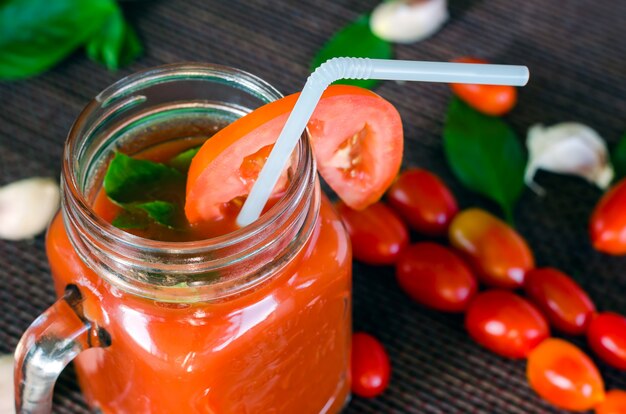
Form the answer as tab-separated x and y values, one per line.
498	253
493	100
356	136
608	221
614	403
436	277
424	201
607	337
562	300
377	233
505	323
564	376
370	366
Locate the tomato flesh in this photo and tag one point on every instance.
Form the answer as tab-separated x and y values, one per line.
564	376
356	136
567	306
377	233
370	366
424	201
436	277
607	337
492	100
614	403
608	221
505	323
499	254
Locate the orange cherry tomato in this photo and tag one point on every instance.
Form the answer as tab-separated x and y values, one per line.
436	277
493	100
370	366
561	299
614	403
505	323
608	221
607	337
377	233
356	136
499	254
564	376
424	201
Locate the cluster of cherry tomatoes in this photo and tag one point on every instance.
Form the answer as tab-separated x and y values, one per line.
483	250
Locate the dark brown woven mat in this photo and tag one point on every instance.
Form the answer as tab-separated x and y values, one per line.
577	57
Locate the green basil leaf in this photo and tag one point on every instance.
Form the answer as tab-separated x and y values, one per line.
126	221
618	159
485	154
354	40
182	161
128	179
37	34
116	45
160	211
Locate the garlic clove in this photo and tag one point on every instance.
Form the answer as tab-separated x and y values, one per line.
27	206
408	21
568	148
6	385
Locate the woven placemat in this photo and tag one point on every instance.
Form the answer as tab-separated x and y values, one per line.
577	58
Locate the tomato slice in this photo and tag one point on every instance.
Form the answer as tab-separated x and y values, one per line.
356	136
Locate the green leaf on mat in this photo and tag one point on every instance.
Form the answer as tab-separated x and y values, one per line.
618	159
116	45
182	161
354	40
37	34
485	154
128	179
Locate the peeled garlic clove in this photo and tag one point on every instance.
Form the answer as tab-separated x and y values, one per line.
27	206
6	385
568	148
408	21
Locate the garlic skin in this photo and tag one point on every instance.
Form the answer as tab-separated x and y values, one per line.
568	148
7	404
408	21
27	206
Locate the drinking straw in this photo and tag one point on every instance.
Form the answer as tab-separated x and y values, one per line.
362	68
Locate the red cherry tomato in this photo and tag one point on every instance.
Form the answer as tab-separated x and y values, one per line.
356	137
370	366
489	99
607	337
505	323
498	253
614	403
608	221
562	300
378	235
564	376
424	201
436	277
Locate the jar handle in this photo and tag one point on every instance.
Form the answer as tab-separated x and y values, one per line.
51	342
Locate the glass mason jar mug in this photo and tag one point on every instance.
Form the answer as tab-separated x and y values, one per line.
254	321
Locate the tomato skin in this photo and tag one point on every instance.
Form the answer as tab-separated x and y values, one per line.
564	376
370	366
505	323
607	337
500	256
377	233
614	403
436	277
566	305
423	201
492	100
608	221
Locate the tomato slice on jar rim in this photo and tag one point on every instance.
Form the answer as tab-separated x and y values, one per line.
356	136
